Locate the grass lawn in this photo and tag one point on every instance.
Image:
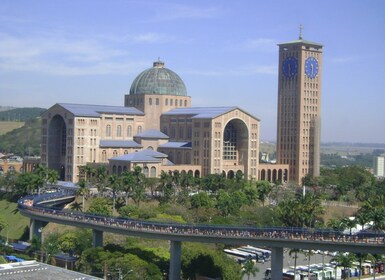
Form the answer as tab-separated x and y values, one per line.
16	222
6	126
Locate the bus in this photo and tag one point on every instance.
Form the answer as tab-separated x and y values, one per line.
266	253
240	254
258	255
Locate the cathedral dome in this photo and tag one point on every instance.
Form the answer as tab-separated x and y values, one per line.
158	80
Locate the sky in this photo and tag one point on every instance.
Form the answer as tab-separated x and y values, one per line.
90	51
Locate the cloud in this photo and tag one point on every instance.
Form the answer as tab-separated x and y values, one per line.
242	71
169	12
65	56
257	44
343	59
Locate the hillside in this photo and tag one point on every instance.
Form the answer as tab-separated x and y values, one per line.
7	126
20	114
23	141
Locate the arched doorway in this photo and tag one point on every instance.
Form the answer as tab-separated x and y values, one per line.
235	145
57	139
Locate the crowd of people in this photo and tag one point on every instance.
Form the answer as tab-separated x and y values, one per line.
34	204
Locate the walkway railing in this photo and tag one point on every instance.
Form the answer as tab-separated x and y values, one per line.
35	204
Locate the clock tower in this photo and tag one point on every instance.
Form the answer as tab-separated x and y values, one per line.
299	107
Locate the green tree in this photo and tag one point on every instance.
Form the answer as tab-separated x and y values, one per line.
263	190
138	188
346	261
294	254
114	183
128	183
100	206
201	199
248	268
83	191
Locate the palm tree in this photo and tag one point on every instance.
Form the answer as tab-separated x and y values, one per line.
263	189
374	258
127	184
114	184
100	178
83	191
377	216
346	261
77	206
138	188
361	258
350	223
248	268
294	252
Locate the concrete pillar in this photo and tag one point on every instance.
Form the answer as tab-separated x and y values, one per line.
276	263
175	260
97	238
35	229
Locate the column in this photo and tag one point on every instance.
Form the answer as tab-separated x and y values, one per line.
276	263
175	260
97	238
35	229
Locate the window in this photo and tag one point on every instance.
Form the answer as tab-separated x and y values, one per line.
185	103
157	101
129	131
150	101
119	131
166	102
108	130
139	129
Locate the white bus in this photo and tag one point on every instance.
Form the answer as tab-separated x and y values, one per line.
266	253
258	255
240	254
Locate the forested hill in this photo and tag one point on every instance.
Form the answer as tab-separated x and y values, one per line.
23	141
21	114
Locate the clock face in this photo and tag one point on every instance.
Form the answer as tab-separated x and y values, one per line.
311	67
290	67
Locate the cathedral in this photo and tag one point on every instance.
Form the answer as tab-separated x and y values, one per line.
158	130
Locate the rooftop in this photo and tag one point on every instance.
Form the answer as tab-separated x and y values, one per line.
158	80
85	110
201	112
141	156
152	133
32	270
119	144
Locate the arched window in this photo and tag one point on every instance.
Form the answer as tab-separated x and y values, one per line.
108	130
181	130
166	102
139	129
171	102
119	131
176	102
150	101
145	171
153	172
104	155
185	103
180	103
129	131
157	101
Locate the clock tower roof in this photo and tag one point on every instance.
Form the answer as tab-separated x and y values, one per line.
302	42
